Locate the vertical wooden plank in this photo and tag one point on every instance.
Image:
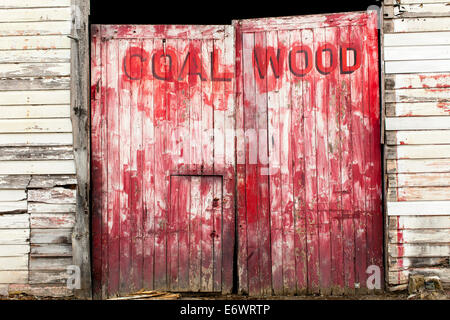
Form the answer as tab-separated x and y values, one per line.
206	229
265	265
124	154
346	173
161	115
97	161
195	235
148	189
335	151
240	165
298	170
216	234
358	163
308	92
251	167
136	176
287	201
184	232
114	194
276	220
229	181
172	233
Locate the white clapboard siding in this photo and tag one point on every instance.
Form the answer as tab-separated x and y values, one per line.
53	195
416	39
35	42
41	263
402	276
35	28
14	236
415	81
418	95
419	180
420	236
35	125
417	24
416	53
12	195
418	137
34	83
50	208
422	193
48	277
418	165
414	66
5	4
34	97
53	236
13	206
38	167
419	222
35	139
415	208
13	250
419	250
48	249
404	263
418	152
14	221
418	109
417	123
13	276
37	56
394	2
52	220
421	10
11	70
14	263
37	14
29	111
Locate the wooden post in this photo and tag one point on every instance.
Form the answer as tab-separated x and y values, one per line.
80	111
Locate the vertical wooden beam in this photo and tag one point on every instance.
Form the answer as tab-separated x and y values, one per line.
80	111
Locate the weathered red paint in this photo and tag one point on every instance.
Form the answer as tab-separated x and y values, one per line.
314	93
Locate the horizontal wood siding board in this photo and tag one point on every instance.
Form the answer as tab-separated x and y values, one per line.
417	123
12	250
418	208
13	277
51	250
36	139
417	80
416	39
14	182
34	97
417	109
36	153
11	70
13	207
418	180
418	250
418	193
51	220
34	207
418	137
417	165
406	53
418	222
50	263
8	4
418	152
417	10
14	221
416	24
53	195
38	182
35	56
417	66
51	236
425	236
35	28
37	14
14	263
14	236
12	195
37	167
35	42
34	112
48	277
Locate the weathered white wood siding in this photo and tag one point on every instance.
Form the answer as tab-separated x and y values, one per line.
37	168
417	143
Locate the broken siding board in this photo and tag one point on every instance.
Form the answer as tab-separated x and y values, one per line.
12	195
419	250
54	195
14	263
12	250
36	14
11	70
419	193
416	39
13	276
416	53
416	25
36	139
418	165
52	181
418	222
425	236
417	10
418	137
396	264
418	208
13	206
417	123
49	263
51	220
51	236
51	250
14	221
418	152
418	109
419	180
419	80
35	28
14	236
398	277
394	2
34	97
36	153
50	208
417	66
14	182
36	56
27	112
38	167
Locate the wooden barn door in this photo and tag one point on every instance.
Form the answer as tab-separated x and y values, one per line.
309	181
163	158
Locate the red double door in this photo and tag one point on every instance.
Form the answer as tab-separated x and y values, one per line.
254	145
